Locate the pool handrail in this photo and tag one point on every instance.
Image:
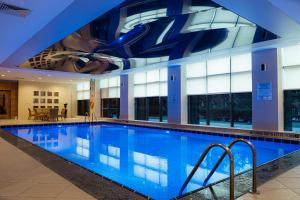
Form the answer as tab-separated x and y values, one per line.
254	184
86	114
227	151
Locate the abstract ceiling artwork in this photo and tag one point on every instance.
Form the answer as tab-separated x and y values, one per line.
133	35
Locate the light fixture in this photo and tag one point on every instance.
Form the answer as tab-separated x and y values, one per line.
2	75
40	78
8	71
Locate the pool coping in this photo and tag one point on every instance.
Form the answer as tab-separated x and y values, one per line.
108	188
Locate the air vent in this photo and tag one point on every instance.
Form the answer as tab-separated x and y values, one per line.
13	10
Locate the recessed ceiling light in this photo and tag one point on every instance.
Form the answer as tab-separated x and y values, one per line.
8	71
2	75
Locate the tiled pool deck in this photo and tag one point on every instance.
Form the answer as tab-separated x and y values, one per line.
22	177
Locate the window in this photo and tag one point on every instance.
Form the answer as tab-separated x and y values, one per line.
111	108
222	110
150	92
219	91
110	97
242	110
292	110
83	98
151	109
219	110
197	109
83	107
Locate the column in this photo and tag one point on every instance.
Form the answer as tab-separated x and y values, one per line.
97	100
267	95
177	101
126	97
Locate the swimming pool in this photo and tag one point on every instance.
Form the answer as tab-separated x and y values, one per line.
154	162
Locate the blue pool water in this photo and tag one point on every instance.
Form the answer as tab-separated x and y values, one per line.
151	161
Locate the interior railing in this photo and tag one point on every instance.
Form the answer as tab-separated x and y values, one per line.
231	158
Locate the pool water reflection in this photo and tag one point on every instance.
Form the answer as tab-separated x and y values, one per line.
151	161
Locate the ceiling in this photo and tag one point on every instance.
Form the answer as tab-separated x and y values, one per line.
126	34
49	21
35	75
133	35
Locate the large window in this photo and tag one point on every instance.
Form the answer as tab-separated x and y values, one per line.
110	97
151	109
83	98
291	86
150	92
111	108
223	110
219	92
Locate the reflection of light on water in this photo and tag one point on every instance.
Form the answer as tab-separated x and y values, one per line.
167	131
59	126
83	147
151	168
113	157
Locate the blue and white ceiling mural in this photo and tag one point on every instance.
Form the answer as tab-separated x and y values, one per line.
142	32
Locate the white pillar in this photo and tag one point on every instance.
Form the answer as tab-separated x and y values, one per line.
177	99
126	97
267	96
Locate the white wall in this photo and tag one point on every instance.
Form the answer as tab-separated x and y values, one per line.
67	94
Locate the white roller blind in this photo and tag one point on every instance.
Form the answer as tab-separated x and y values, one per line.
163	89
241	63
83	95
153	90
151	83
140	78
139	91
114	92
291	78
196	86
291	56
104	83
241	82
196	70
153	76
83	86
114	81
218	84
218	66
163	74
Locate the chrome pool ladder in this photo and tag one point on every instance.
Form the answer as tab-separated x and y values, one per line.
91	118
231	159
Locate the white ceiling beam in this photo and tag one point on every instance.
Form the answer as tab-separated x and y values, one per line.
264	14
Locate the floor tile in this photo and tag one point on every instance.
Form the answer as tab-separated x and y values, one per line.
44	190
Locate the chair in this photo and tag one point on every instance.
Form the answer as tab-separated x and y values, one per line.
31	114
53	114
37	114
